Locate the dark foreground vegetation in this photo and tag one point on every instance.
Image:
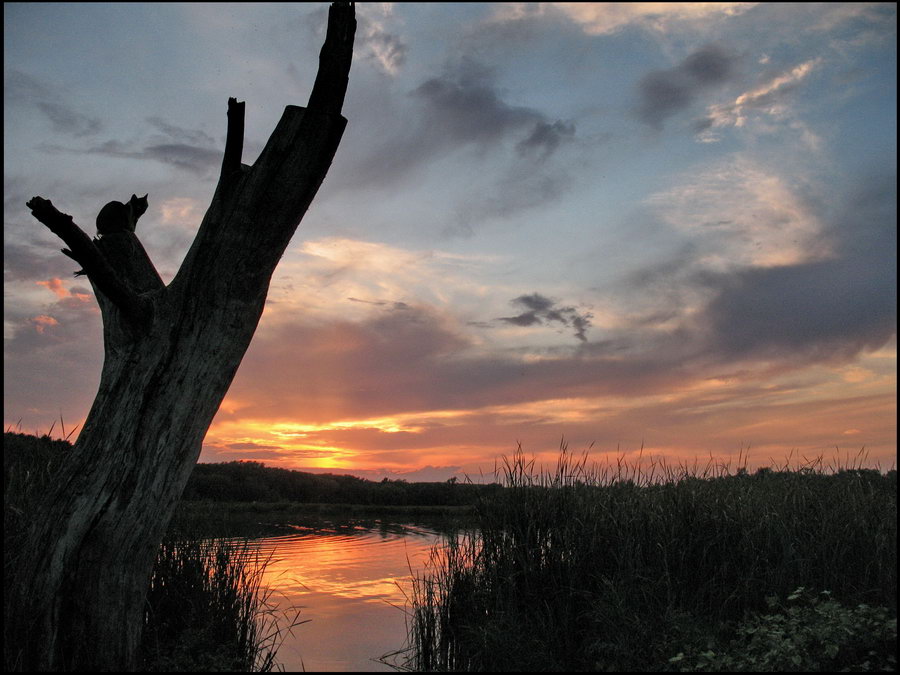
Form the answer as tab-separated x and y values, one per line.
599	570
578	569
206	610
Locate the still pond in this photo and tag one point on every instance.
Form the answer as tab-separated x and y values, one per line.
352	581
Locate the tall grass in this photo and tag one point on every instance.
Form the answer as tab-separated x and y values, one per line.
612	568
208	611
30	464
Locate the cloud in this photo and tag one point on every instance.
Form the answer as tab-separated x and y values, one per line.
462	107
191	158
197	160
603	18
192	150
811	312
351	280
375	40
770	98
523	187
347	368
463	115
824	310
56	287
540	309
24	262
183	211
52	353
545	138
21	87
171	132
43	322
739	213
765	276
395	306
664	93
831	16
386	49
68	297
251	446
67	121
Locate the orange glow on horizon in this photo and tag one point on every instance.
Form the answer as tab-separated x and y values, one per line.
835	412
712	417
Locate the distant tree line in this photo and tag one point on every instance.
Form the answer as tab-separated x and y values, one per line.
255	482
31	460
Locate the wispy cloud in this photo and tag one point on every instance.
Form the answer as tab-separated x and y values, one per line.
739	213
770	98
350	279
377	43
603	18
196	159
172	133
20	87
68	121
524	186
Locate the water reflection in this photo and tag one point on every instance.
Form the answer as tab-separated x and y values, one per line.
351	581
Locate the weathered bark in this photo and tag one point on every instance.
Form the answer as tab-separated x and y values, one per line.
170	355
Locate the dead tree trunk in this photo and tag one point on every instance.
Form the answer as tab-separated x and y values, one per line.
170	355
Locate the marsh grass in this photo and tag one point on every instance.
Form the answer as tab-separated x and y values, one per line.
207	609
621	567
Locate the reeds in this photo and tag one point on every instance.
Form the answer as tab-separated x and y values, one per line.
206	607
615	568
208	611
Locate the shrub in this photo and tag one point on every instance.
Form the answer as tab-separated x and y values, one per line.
807	633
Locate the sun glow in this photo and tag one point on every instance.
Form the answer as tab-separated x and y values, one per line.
388	425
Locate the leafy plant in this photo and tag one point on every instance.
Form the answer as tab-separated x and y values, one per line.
806	633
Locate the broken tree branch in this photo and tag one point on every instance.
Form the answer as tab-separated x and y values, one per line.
83	251
334	60
234	141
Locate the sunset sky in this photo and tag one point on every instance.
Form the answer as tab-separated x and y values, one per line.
658	225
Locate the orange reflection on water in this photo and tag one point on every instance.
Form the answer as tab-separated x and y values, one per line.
352	584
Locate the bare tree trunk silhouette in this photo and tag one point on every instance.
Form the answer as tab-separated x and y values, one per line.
170	355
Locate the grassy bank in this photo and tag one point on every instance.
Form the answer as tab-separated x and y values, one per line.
582	569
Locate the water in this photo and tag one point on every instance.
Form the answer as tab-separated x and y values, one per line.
352	582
